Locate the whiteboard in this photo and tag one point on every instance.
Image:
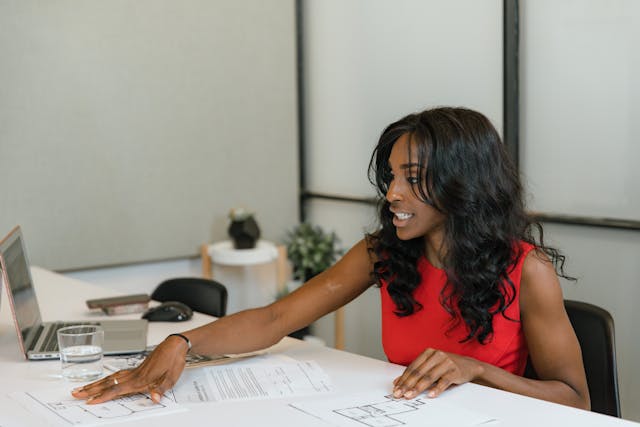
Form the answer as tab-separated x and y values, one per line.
129	128
580	107
370	62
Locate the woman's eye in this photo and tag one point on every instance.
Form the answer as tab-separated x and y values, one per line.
413	180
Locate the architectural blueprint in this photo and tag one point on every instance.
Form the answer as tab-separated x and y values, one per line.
374	409
58	408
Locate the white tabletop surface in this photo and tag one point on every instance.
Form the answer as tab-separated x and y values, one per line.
62	298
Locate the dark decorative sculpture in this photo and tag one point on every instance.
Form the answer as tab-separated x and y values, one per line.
243	230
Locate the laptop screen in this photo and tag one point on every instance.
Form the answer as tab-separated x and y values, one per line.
25	304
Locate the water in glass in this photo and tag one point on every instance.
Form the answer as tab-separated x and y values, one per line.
81	362
81	352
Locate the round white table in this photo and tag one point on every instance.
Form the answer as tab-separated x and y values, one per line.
253	277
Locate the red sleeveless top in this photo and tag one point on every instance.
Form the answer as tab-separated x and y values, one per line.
404	338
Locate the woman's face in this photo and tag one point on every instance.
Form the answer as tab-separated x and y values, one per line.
412	217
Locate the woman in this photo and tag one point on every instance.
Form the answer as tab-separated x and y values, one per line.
468	291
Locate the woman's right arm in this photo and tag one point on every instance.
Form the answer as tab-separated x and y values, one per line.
241	332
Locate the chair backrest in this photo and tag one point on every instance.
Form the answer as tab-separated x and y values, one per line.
203	295
595	331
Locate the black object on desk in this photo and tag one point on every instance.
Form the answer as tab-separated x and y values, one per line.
170	311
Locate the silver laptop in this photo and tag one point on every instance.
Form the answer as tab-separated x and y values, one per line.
38	339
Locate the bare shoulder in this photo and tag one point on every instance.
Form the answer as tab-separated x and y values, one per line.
357	262
347	278
539	287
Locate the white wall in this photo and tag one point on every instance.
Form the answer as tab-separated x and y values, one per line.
130	128
580	106
369	62
579	149
139	278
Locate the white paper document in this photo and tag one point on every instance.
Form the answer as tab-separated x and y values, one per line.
264	377
374	409
57	408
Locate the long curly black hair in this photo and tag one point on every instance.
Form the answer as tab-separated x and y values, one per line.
471	179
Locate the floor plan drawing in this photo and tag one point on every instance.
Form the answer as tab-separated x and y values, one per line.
75	411
60	409
380	409
381	414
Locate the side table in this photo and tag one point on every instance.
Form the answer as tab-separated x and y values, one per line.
224	254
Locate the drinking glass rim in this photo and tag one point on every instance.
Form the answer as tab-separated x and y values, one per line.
66	330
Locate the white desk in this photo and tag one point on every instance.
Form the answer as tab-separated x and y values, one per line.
63	298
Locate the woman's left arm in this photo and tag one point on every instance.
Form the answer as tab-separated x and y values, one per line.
553	348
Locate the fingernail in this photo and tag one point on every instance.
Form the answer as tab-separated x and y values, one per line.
397	392
432	394
77	389
155	397
94	397
409	393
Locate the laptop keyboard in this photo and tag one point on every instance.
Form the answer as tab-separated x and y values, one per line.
51	340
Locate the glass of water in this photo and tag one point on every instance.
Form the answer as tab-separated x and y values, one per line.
81	352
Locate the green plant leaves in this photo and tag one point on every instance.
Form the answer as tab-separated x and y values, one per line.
311	250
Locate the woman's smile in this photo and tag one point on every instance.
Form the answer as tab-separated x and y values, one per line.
400	219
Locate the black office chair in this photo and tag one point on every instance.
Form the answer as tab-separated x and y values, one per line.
594	328
203	295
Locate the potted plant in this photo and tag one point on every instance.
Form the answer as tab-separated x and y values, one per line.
311	250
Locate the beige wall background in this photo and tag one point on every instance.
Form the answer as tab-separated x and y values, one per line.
128	129
579	145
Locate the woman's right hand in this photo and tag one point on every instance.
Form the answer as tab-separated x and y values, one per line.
157	374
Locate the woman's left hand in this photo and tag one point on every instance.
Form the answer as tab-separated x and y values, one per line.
435	370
